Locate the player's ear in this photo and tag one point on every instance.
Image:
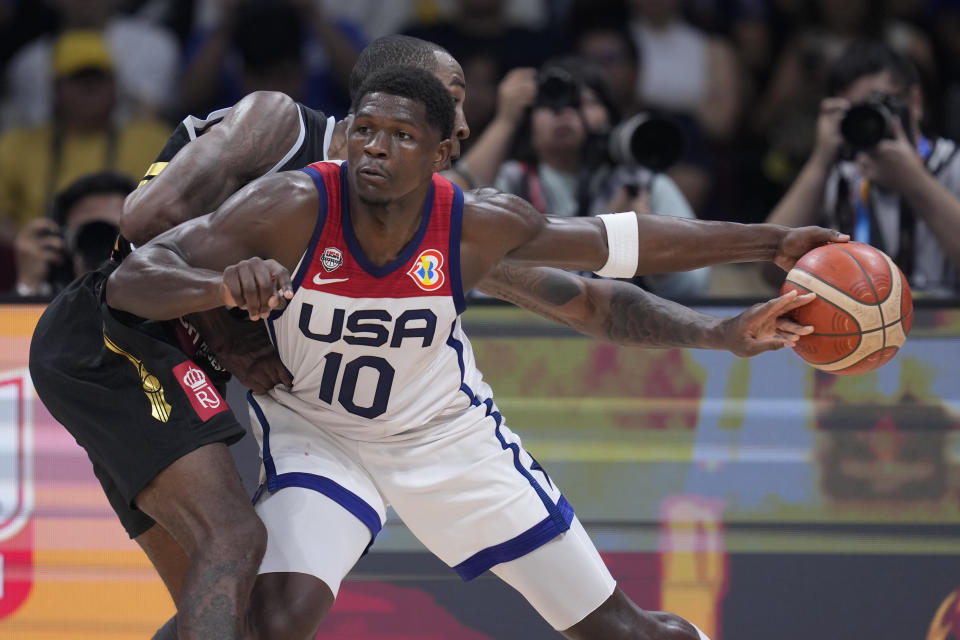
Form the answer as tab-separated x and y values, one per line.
441	159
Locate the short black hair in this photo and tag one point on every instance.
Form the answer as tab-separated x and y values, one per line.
415	84
389	51
866	58
88	185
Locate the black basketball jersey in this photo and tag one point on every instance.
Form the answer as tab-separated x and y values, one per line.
311	146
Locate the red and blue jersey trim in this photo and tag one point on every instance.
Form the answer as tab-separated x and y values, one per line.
428	266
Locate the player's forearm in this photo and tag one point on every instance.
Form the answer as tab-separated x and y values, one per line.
626	314
677	244
156	283
608	310
802	202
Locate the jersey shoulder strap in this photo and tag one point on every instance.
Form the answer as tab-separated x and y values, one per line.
315	132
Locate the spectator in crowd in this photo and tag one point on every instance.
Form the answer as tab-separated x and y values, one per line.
605	42
946	36
902	193
686	70
146	59
563	166
483	25
290	46
786	111
481	35
77	236
84	137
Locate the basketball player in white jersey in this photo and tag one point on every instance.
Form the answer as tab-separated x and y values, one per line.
386	406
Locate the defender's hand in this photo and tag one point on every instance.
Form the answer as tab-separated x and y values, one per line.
245	351
798	241
766	326
257	286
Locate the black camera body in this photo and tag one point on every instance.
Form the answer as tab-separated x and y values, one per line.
557	90
646	139
868	122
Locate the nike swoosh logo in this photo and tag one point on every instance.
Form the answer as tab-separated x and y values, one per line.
320	281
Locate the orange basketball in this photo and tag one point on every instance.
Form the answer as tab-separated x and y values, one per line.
863	310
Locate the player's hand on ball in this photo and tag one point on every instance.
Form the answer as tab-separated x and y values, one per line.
766	326
797	242
257	286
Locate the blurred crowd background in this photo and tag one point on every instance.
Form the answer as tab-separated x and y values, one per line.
715	105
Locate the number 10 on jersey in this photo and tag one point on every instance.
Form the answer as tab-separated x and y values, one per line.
333	362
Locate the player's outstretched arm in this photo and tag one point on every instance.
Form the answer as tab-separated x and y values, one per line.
623	313
241	255
623	245
252	138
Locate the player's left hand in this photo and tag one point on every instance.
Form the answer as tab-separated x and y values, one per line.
797	242
766	326
257	286
242	348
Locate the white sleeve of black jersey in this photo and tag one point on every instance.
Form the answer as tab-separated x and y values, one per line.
313	145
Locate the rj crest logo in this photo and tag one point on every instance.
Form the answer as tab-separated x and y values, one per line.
426	270
202	395
331	259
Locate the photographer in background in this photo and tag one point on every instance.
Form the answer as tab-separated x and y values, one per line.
574	159
873	173
77	236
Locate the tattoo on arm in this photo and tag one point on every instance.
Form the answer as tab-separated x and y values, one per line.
610	310
636	317
540	290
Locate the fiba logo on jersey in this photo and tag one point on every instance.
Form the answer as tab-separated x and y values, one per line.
331	258
426	270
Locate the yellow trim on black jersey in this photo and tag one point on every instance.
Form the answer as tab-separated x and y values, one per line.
159	408
152	170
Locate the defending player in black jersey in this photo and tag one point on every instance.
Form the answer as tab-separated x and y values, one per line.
144	399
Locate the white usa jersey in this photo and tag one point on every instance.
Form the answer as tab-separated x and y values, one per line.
377	351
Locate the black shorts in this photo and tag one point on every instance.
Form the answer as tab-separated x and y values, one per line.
125	391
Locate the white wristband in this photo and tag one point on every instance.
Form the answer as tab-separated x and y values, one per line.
623	242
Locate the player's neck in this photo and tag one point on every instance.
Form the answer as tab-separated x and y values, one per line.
384	230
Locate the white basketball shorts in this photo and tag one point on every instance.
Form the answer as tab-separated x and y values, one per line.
465	487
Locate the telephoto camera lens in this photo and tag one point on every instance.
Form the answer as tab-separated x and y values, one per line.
647	140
